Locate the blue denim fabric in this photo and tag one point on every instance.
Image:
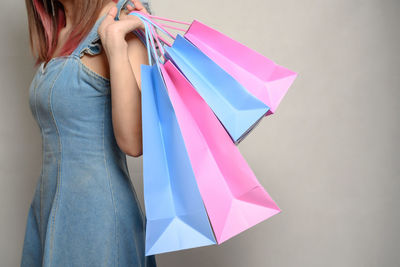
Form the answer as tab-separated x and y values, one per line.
85	211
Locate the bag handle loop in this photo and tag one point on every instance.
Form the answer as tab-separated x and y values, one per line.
160	26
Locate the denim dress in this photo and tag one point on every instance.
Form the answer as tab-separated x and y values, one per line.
85	211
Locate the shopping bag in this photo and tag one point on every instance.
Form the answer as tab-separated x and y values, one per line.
236	108
234	198
261	76
175	214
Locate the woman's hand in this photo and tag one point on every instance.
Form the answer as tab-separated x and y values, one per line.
112	33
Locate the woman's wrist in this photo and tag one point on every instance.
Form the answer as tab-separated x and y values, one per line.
116	49
118	55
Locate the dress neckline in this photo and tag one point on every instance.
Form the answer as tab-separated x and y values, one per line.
43	66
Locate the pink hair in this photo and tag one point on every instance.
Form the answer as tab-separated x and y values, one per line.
43	15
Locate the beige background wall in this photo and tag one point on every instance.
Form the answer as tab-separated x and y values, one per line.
329	156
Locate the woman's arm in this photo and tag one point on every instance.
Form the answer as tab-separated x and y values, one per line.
126	96
125	53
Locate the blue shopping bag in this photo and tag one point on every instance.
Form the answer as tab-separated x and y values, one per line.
175	214
237	109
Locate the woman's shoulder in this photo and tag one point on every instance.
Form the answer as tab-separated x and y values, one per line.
97	62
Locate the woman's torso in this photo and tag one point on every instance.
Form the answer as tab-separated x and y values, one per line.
84	195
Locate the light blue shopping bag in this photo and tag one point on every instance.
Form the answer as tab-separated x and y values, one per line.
175	214
236	108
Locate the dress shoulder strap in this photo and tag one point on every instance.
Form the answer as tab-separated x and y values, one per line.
89	43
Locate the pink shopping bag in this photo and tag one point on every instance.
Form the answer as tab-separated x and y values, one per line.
261	76
233	197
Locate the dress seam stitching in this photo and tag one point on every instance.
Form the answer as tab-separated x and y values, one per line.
111	189
59	183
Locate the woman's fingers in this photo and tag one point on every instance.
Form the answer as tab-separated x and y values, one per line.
112	31
112	12
138	5
108	20
130	22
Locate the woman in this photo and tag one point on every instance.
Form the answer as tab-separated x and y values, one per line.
85	97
